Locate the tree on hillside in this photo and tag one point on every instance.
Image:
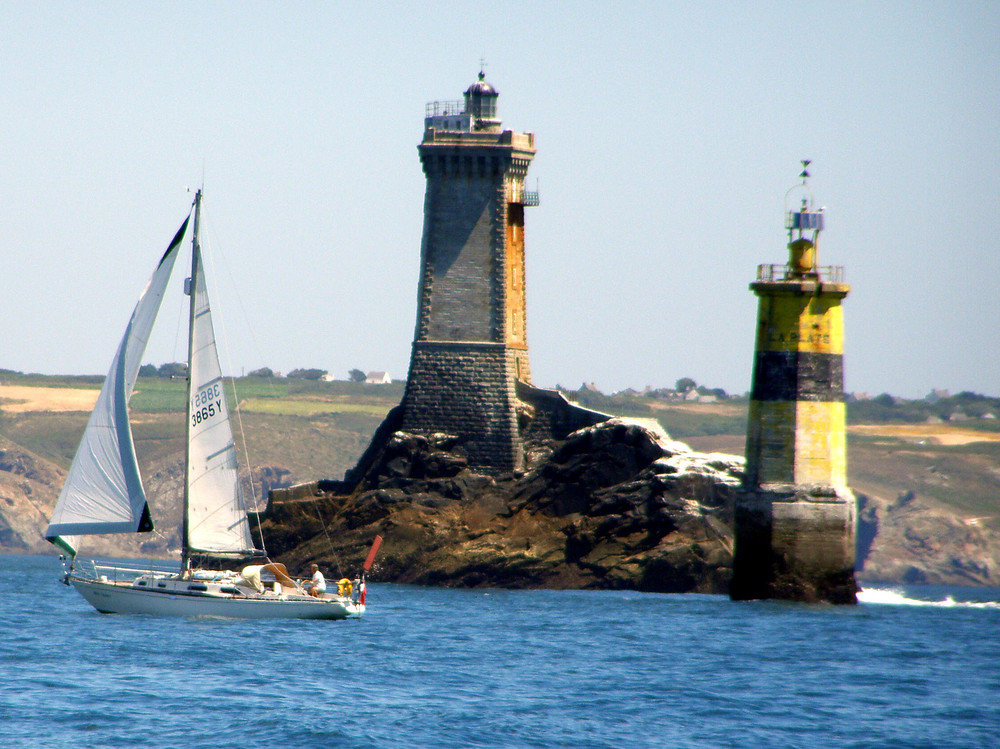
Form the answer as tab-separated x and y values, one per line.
306	374
356	375
262	372
717	392
148	370
684	384
173	369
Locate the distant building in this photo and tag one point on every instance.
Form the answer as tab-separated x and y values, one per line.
377	378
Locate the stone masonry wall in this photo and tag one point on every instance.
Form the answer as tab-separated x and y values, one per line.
552	416
466	389
458	285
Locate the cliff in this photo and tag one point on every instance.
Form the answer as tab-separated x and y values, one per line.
908	540
28	492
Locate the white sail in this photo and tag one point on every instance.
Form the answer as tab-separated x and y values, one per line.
216	514
103	492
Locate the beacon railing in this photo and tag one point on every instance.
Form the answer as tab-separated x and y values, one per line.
444	108
527	198
826	273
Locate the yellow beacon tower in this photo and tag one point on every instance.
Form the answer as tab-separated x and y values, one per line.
795	515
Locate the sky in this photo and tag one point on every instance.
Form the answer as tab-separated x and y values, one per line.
667	136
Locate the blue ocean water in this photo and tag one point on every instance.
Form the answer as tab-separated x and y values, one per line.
430	667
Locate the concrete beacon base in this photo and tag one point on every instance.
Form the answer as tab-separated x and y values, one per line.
795	543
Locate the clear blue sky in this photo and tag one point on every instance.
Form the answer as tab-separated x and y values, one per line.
667	135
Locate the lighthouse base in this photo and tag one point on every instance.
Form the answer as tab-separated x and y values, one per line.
467	389
795	543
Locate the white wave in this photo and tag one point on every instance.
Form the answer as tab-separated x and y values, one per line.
895	597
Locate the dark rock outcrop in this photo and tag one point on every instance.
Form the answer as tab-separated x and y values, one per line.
616	505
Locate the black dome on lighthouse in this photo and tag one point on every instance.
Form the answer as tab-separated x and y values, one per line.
481	87
481	103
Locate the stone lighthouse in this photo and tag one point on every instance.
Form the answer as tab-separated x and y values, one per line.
470	346
795	515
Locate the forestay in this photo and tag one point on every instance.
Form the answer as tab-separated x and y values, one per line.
216	514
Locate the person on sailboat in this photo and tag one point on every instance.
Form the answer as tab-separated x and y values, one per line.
317	586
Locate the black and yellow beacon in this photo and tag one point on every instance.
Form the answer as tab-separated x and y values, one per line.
795	515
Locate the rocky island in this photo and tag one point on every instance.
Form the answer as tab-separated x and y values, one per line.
614	505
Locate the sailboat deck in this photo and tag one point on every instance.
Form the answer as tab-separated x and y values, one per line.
125	592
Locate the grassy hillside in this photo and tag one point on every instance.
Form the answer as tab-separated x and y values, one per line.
311	429
964	478
292	431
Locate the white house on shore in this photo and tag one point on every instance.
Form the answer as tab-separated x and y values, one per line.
377	378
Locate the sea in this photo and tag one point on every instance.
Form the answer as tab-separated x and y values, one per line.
435	667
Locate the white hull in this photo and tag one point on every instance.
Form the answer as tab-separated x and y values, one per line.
123	598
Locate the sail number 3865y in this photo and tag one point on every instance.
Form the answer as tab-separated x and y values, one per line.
206	403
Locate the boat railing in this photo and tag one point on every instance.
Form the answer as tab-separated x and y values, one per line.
127	572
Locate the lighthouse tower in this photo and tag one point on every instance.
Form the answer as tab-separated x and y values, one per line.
795	515
470	345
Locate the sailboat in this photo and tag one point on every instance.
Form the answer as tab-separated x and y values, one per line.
104	493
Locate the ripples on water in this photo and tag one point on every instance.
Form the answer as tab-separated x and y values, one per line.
444	668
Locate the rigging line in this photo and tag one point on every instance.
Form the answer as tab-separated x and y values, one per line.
248	327
182	313
166	541
213	244
246	454
181	320
329	541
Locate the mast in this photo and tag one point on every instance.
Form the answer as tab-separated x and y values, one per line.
190	291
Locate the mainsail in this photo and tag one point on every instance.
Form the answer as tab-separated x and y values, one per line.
103	492
216	519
